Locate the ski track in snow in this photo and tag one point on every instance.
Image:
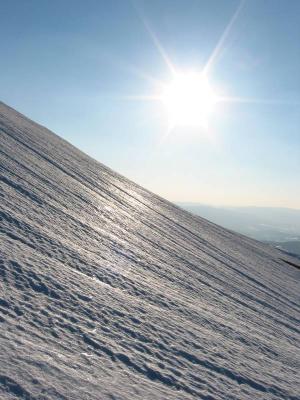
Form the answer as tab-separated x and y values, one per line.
110	292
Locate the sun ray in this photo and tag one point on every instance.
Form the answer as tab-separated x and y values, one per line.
126	66
166	134
159	47
217	50
140	97
253	100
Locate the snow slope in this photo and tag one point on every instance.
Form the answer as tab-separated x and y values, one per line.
110	292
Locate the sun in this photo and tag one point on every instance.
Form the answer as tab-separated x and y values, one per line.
189	100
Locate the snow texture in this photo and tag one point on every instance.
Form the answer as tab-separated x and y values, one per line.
110	292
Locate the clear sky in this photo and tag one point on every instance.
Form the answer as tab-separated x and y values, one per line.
79	67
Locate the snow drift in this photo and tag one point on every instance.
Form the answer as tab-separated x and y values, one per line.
110	292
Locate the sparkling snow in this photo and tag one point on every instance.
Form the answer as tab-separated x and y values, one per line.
110	292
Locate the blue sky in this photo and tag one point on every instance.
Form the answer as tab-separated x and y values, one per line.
71	65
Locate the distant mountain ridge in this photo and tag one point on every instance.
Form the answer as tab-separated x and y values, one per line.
108	291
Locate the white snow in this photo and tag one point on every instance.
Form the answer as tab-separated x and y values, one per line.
110	292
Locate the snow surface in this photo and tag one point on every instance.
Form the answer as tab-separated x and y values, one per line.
110	292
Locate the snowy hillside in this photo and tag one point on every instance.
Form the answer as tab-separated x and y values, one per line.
110	292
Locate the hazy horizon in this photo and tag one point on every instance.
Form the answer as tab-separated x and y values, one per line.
276	226
100	75
216	205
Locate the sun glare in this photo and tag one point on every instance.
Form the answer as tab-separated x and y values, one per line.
189	100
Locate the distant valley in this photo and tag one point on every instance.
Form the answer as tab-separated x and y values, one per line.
277	226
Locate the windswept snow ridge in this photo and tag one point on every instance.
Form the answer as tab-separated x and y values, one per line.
110	292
